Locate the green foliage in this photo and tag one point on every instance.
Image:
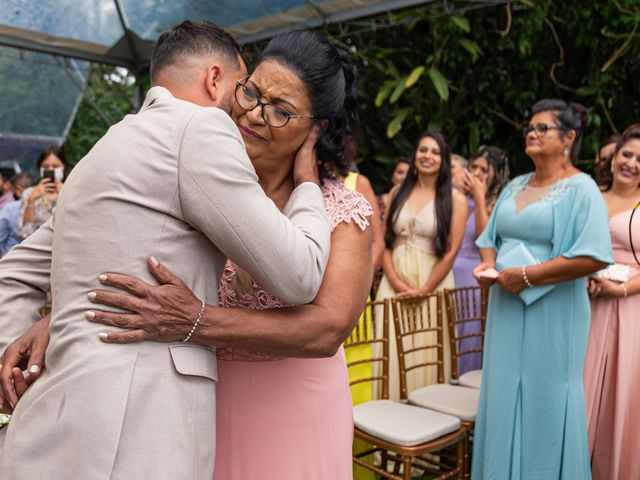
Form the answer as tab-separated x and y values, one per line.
475	74
111	90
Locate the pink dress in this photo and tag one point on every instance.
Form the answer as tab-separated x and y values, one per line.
612	369
285	418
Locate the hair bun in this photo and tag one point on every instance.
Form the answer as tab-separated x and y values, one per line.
582	112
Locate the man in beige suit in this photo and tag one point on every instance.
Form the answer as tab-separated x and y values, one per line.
173	181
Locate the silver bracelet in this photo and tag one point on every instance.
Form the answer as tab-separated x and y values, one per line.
195	325
524	276
624	289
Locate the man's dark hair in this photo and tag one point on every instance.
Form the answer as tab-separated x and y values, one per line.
193	38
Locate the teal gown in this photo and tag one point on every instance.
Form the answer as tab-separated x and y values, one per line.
531	422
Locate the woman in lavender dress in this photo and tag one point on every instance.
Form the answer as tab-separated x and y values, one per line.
487	175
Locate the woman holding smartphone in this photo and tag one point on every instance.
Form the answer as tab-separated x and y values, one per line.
38	202
547	233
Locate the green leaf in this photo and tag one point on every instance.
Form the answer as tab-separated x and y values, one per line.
440	83
471	47
461	22
400	87
395	125
587	91
384	92
524	46
414	76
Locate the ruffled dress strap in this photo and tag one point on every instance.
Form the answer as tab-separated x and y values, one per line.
345	206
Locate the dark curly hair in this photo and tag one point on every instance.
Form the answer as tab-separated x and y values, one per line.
602	171
329	76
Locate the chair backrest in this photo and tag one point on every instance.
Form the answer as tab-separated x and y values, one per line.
368	347
464	305
418	326
377	278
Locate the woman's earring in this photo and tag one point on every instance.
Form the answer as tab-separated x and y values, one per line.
565	152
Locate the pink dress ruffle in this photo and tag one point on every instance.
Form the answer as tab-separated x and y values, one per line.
285	418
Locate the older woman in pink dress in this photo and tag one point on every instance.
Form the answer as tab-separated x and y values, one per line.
612	389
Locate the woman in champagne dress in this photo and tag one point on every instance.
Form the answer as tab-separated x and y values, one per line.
425	226
612	389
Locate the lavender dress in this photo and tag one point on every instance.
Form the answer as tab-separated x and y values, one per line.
468	258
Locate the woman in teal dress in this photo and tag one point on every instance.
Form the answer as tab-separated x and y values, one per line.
531	421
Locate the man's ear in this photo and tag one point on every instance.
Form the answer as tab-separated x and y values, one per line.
212	81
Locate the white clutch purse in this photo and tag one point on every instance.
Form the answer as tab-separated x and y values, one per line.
616	273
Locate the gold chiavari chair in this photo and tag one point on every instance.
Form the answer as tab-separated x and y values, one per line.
402	433
465	305
419	329
377	278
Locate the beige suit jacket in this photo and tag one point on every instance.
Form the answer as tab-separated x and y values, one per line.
173	181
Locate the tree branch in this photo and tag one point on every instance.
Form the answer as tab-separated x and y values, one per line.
560	62
620	51
507	29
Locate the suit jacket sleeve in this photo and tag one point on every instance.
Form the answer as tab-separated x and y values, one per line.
221	197
24	281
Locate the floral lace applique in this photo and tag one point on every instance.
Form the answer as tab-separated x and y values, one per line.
556	191
342	206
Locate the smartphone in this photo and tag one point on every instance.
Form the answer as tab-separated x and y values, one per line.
49	174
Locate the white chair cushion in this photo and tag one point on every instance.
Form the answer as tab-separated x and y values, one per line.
472	379
402	424
461	402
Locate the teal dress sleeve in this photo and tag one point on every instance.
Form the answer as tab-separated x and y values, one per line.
587	229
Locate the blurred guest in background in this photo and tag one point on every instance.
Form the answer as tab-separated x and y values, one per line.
612	366
397	174
487	175
602	169
547	233
6	190
424	230
38	202
459	165
9	213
